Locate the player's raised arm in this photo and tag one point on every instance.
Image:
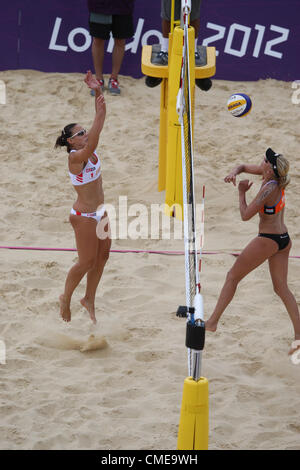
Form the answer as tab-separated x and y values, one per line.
247	211
243	168
93	134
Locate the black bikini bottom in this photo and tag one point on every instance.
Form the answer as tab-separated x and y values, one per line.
281	240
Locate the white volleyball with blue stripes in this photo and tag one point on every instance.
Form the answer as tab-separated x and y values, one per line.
239	104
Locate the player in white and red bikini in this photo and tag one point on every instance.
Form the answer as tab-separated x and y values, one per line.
88	209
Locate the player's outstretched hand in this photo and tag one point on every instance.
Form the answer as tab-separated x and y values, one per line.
231	178
92	82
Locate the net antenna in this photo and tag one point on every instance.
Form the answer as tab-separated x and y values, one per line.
194	302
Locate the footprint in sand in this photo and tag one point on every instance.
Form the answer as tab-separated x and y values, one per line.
65	342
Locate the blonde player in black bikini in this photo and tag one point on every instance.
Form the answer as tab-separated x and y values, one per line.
88	209
272	243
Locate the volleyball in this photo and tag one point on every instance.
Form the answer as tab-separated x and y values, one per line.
239	104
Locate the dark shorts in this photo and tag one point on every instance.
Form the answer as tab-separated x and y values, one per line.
166	9
282	240
121	28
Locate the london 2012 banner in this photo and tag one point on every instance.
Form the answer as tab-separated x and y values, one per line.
254	39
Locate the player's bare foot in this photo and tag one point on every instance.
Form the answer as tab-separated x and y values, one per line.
90	306
65	311
295	345
210	326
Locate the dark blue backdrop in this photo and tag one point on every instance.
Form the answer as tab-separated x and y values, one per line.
254	38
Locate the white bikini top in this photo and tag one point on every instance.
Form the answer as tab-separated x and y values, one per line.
90	172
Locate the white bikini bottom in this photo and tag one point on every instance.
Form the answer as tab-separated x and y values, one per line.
97	215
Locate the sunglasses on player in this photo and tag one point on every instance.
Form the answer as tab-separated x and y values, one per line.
79	133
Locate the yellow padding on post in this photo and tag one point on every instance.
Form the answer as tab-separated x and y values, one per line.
173	182
193	425
170	160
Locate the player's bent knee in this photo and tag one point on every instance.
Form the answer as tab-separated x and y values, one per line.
88	264
280	289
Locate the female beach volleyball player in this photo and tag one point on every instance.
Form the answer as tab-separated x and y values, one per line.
88	209
272	243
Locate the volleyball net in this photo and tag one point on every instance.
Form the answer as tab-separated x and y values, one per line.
194	304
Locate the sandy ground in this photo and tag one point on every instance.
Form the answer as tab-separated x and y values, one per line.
126	393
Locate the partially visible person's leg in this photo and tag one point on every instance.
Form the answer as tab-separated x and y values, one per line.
117	57
196	26
98	56
278	265
100	32
255	253
165	27
162	58
195	15
122	29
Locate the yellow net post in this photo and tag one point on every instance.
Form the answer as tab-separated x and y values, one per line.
169	172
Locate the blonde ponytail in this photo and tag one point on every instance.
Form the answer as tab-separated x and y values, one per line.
283	169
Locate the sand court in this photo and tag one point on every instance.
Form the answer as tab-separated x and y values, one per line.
118	385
